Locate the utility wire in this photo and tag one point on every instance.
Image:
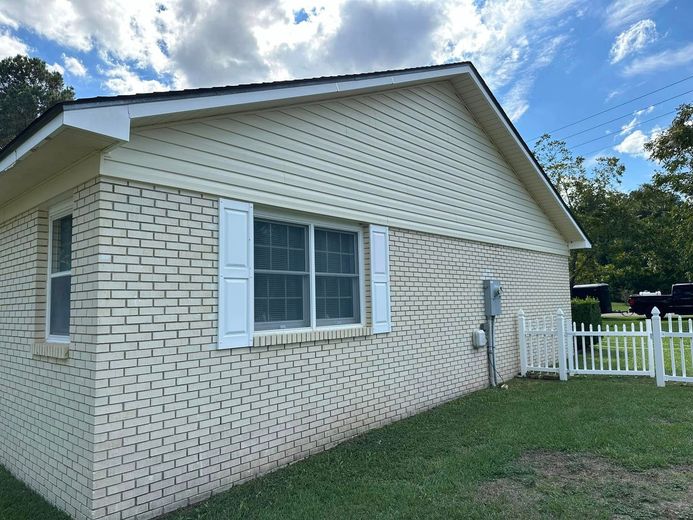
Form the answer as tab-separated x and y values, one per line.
612	134
629	114
614	107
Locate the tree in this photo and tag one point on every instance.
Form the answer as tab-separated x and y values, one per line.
661	250
27	88
560	165
594	199
640	240
673	149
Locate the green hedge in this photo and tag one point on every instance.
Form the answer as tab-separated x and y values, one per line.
586	310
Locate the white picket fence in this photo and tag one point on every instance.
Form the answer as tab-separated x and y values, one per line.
547	345
680	351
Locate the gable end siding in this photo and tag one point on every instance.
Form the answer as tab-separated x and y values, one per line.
413	158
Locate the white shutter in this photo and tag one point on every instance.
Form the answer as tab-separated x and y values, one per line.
380	279
236	316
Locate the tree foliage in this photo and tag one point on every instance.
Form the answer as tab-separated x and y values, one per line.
640	240
27	88
673	149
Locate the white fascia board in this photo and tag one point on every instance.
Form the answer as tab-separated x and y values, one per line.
212	101
584	243
45	132
110	121
580	244
174	106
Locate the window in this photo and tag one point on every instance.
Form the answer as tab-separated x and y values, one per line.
336	277
281	275
59	274
294	261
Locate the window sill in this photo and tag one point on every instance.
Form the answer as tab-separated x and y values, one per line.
268	339
51	350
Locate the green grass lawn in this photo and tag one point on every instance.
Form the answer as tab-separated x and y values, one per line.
619	306
588	448
18	502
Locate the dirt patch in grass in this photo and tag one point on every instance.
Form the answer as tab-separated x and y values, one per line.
551	484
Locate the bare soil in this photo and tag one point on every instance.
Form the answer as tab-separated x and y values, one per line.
562	485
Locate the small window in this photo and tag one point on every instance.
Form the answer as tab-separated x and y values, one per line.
290	267
59	276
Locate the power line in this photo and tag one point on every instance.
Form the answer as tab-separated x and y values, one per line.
629	114
634	126
615	107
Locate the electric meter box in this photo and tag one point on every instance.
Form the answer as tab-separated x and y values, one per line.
493	291
479	339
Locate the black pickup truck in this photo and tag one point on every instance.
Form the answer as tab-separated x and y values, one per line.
680	301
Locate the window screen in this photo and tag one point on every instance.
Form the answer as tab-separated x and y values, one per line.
60	276
281	275
336	277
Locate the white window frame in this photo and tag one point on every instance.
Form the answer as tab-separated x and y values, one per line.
56	212
312	223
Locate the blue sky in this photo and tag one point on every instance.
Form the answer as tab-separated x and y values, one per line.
549	62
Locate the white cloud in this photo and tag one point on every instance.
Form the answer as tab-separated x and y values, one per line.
515	101
121	80
74	66
127	30
6	21
662	60
508	42
634	143
612	95
56	67
193	43
622	12
11	46
636	120
633	40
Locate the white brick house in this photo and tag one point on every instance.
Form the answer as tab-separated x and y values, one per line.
199	287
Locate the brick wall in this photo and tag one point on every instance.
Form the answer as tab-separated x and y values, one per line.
176	420
145	416
46	404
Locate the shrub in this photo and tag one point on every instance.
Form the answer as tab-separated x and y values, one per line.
587	311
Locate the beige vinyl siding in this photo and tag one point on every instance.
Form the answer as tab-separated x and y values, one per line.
412	158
